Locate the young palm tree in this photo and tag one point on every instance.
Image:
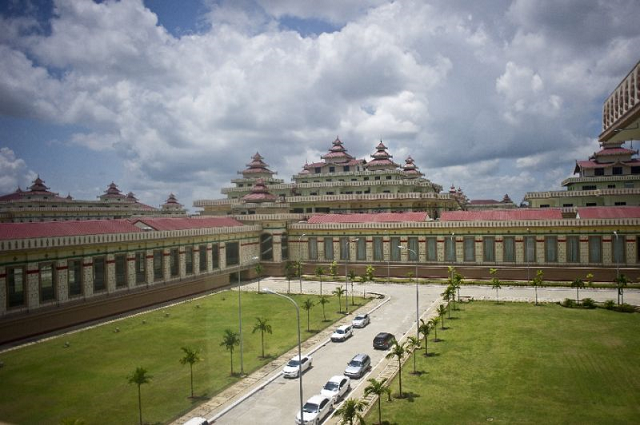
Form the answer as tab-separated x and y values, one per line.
191	357
333	269
424	329
577	283
377	388
448	294
308	305
259	269
351	410
434	325
322	301
370	273
230	340
398	351
495	283
263	326
339	292
621	281
290	273
413	343
537	281
139	377
319	274
442	310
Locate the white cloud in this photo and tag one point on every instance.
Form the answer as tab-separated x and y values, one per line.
14	172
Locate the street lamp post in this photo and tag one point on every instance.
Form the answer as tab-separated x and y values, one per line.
388	259
526	252
269	291
300	259
613	255
346	274
240	323
417	292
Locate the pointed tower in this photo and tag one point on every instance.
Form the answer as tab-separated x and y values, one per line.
381	159
257	169
172	206
259	193
337	153
112	194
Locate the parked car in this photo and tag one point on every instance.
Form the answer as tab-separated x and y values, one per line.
336	387
197	421
361	320
314	410
342	333
358	366
383	341
295	365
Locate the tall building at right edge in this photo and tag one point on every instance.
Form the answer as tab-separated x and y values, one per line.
611	176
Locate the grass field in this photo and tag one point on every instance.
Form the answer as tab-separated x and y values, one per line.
46	382
517	363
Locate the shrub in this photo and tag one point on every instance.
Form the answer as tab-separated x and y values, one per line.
625	308
588	303
609	304
568	302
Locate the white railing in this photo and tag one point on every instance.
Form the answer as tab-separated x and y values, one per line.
624	98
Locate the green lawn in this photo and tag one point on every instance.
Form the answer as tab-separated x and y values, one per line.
46	382
517	363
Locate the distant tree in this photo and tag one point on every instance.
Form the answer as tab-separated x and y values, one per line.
577	283
434	325
495	283
442	310
370	273
377	388
424	329
339	292
290	272
413	343
333	269
308	305
589	280
191	357
230	340
322	301
398	351
351	410
537	281
621	281
139	377
262	325
319	274
449	294
259	269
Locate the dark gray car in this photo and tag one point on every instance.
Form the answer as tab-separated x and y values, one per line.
358	366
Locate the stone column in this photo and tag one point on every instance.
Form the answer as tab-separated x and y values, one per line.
540	250
499	250
479	250
87	276
3	290
222	255
166	265
562	249
277	248
33	285
321	255
148	267
131	270
182	262
440	249
584	250
630	250
422	250
110	272
61	283
607	250
520	249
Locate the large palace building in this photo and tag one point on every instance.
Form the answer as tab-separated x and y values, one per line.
61	270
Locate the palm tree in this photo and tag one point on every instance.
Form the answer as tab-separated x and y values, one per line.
263	326
434	325
333	269
229	340
320	273
442	310
495	283
259	269
191	357
377	388
577	283
350	411
322	301
537	281
139	377
621	281
398	351
290	272
413	343
424	329
448	294
339	292
308	305
370	273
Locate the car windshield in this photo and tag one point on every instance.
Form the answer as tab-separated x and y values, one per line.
339	331
355	363
293	363
310	407
359	318
331	386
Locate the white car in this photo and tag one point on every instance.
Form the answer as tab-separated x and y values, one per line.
342	333
336	387
292	369
315	410
361	320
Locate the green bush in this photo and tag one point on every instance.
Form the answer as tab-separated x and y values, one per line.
609	304
588	303
568	302
625	308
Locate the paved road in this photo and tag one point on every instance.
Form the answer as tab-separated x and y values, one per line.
271	398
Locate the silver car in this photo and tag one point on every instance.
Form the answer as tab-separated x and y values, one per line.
358	366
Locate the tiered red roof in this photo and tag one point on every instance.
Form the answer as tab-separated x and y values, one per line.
411	169
381	158
65	228
615	151
37	189
609	212
259	193
337	151
503	215
257	166
185	223
112	192
369	218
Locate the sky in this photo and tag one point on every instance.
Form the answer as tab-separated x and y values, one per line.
166	96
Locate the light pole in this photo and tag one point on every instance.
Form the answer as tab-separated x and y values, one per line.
388	259
240	323
346	274
300	259
613	252
417	292
269	291
526	250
